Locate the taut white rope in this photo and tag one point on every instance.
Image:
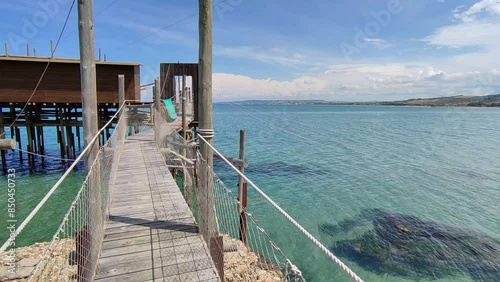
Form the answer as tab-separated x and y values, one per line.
327	252
51	191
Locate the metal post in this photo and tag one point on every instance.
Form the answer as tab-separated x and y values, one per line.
90	126
205	114
6	49
27	49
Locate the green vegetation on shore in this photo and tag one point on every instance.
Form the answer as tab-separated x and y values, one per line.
453	101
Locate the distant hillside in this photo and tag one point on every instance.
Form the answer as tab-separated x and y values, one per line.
453	101
278	102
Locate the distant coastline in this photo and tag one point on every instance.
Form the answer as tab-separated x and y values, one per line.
453	101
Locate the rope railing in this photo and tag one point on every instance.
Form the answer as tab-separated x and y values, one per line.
218	214
310	237
72	253
58	183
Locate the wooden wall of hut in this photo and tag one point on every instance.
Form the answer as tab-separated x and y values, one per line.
168	72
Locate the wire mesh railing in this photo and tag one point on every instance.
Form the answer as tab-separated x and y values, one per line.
296	227
240	247
240	253
73	252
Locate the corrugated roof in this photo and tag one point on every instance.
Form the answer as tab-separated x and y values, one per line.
60	60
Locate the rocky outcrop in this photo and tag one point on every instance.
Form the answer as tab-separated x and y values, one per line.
241	264
53	267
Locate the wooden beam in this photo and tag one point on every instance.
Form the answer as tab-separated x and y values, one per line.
7	144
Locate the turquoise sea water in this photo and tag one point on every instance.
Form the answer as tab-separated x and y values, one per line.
328	165
363	180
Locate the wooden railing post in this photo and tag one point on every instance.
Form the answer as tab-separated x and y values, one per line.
243	215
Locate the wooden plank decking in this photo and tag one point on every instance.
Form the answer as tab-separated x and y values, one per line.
151	234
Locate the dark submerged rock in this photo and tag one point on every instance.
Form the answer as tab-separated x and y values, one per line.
407	246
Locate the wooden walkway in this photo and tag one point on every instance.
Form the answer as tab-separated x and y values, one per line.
151	234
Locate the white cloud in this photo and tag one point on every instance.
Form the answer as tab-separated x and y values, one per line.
483	34
236	87
478	30
467	73
491	7
272	56
377	42
360	82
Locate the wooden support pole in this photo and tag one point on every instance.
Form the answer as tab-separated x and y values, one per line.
121	92
2	144
184	125
61	135
69	149
243	215
78	137
184	136
30	142
157	93
34	146
18	139
205	114
241	168
87	266
42	142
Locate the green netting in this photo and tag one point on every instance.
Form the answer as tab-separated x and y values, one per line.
170	108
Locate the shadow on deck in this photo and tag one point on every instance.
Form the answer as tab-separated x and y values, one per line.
151	234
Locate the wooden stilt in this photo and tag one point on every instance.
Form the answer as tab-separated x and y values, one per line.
78	136
42	146
18	139
2	134
61	136
243	215
30	141
68	142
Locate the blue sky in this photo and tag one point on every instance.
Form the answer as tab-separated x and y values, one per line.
359	50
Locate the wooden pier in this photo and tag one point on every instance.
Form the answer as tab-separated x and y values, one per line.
28	103
151	234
